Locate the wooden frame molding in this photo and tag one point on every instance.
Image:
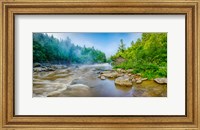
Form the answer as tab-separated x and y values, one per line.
10	8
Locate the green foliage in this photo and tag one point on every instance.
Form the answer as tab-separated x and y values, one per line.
122	46
147	56
49	49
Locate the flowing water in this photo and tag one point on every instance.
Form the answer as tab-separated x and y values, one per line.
83	81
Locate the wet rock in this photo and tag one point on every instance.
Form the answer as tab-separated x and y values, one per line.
37	65
143	79
123	81
111	75
161	80
139	81
102	77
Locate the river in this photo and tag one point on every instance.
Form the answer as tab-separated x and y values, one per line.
83	81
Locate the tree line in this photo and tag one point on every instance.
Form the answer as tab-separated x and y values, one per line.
147	56
48	49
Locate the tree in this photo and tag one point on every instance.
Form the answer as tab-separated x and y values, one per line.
122	47
49	49
148	55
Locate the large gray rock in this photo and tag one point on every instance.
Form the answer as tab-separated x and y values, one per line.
123	81
161	80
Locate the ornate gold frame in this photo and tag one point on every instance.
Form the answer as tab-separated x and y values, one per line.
9	8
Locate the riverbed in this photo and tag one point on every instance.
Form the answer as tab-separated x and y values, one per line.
83	81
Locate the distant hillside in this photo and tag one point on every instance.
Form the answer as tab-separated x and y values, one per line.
47	49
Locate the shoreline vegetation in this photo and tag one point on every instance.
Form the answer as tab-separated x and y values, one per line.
144	60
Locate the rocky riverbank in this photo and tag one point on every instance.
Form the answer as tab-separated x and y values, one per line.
98	80
126	78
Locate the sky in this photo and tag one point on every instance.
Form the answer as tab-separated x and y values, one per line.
106	42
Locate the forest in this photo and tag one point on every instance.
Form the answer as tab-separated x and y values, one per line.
47	49
122	66
147	56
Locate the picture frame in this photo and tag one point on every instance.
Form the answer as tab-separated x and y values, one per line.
163	7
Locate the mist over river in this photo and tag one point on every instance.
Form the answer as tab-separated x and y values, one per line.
84	81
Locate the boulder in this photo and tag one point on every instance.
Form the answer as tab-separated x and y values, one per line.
111	74
123	81
139	81
102	77
161	80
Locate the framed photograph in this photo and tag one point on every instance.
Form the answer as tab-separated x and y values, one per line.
95	64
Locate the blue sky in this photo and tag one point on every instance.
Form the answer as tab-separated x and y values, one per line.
106	42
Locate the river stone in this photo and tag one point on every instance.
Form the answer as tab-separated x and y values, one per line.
161	80
123	81
143	79
110	74
139	81
102	77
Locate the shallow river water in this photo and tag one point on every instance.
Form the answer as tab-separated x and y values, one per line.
83	81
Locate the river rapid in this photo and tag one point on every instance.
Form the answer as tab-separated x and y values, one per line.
83	81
